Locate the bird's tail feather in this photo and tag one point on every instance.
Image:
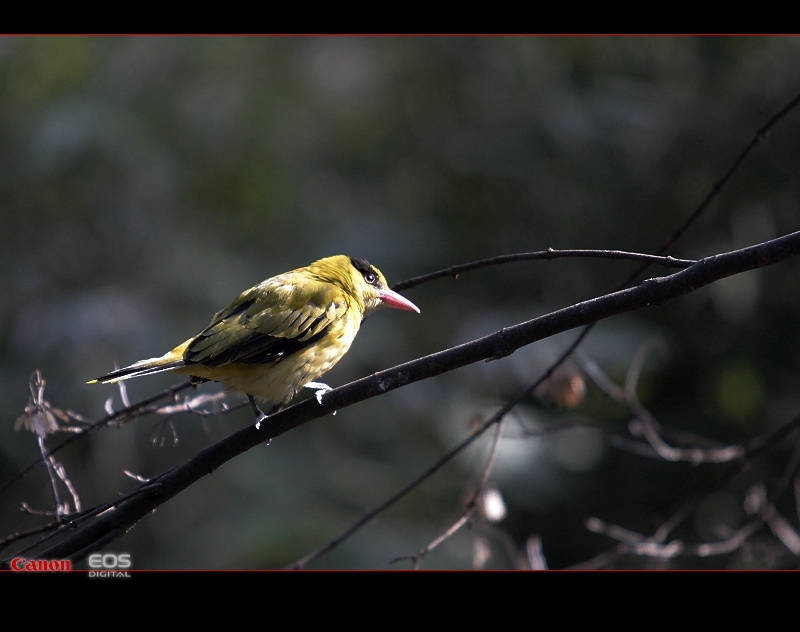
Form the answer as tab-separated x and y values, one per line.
136	371
167	362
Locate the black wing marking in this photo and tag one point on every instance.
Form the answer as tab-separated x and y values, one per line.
229	339
258	348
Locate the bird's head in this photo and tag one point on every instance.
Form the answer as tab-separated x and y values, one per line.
362	281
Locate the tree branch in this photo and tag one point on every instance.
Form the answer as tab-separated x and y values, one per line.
129	511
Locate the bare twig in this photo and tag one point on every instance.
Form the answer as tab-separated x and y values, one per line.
656	545
42	419
644	423
547	255
469	508
140	408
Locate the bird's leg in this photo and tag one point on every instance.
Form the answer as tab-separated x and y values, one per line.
321	389
260	414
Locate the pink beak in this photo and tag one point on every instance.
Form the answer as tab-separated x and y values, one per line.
393	299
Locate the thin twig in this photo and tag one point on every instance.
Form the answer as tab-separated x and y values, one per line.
646	425
131	411
469	508
631	543
548	255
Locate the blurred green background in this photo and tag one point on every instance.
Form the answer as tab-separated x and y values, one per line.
146	181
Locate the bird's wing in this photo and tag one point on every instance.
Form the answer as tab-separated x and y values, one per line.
267	323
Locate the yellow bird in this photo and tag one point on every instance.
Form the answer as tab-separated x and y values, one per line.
280	335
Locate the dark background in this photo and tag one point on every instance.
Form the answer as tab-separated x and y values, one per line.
146	181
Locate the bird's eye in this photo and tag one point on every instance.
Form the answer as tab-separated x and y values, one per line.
370	277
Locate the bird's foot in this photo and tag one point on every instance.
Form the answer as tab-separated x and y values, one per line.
322	388
260	414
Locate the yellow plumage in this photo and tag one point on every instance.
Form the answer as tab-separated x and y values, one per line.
282	334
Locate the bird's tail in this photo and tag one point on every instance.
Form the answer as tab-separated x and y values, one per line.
167	362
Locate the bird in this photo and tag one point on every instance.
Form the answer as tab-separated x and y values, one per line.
280	335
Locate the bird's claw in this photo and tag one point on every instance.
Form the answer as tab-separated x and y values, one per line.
261	417
322	388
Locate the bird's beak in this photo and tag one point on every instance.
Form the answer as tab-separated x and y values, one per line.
393	299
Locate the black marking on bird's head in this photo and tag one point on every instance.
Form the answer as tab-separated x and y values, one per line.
368	271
